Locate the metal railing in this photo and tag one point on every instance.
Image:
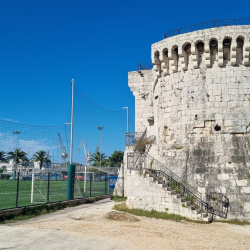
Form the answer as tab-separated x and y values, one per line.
132	137
214	203
208	25
150	162
145	66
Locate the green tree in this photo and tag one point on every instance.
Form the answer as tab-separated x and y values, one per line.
17	155
2	156
97	156
41	157
116	158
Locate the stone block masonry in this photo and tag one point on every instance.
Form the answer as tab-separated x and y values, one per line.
198	94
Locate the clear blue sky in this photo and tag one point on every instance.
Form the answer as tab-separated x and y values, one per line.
44	44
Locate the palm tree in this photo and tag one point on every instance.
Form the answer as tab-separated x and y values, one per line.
2	156
41	157
17	155
97	156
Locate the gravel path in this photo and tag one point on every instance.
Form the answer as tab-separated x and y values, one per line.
93	226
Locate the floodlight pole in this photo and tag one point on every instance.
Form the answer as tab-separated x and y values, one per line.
72	120
16	133
127	118
100	128
71	168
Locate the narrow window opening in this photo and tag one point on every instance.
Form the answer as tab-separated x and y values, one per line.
213	51
187	49
200	48
239	51
226	51
166	53
176	58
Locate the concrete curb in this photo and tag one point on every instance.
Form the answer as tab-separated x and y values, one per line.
19	210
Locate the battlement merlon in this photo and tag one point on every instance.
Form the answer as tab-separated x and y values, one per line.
215	47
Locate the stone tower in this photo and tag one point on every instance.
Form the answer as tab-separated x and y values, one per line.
196	101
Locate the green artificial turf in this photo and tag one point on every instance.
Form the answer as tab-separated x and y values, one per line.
57	191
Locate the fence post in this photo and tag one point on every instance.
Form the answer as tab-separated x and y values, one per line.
106	180
123	179
48	187
71	181
17	188
90	184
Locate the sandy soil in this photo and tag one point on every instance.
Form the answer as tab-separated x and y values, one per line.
99	221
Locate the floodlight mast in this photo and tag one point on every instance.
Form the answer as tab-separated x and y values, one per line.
72	117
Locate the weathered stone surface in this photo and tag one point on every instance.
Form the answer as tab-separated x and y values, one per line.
202	111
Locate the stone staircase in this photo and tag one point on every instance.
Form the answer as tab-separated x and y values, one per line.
153	186
148	193
190	210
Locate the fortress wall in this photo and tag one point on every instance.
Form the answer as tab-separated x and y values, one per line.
188	94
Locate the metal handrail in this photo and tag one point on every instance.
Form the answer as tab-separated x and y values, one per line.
208	25
161	172
156	165
202	204
145	66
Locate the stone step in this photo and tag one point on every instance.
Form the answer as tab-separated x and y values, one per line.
204	215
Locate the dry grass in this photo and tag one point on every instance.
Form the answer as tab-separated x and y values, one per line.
122	207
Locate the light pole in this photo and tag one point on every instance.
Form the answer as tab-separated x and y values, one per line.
100	128
16	133
127	118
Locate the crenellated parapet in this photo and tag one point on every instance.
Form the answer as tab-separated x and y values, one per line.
215	47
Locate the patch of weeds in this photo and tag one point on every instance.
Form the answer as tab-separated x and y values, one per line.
248	176
118	198
166	209
31	212
140	172
229	162
122	207
184	205
144	95
151	163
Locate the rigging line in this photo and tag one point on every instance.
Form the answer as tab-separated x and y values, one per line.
32	125
97	104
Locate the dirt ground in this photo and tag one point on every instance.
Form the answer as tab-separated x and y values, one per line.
98	221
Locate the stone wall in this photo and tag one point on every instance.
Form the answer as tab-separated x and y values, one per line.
198	96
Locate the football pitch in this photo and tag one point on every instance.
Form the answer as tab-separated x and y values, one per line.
57	191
